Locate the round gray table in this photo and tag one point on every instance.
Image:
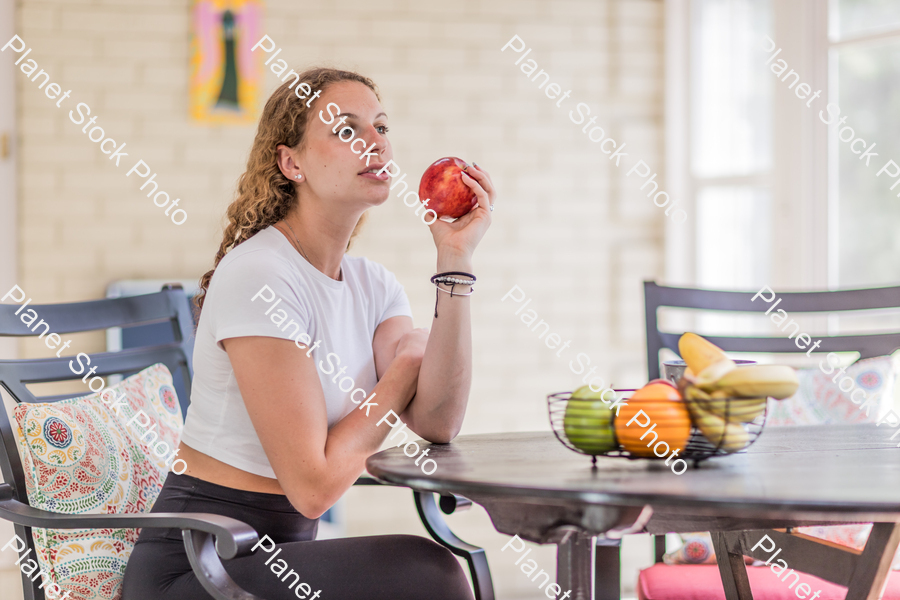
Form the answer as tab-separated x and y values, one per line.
534	487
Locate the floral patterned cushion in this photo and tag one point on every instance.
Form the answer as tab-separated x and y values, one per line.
854	536
819	400
84	455
696	549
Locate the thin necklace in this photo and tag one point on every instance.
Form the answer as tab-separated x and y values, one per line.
298	241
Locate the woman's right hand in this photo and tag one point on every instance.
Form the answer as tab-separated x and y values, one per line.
412	345
458	239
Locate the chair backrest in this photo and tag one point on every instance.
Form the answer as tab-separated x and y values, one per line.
171	305
868	345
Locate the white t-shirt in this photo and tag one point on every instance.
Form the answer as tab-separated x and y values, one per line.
342	314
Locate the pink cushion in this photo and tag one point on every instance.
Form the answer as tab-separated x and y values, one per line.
702	582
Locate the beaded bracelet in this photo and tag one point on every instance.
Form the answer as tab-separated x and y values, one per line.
469	293
447	278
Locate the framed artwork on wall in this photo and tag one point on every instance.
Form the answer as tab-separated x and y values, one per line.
225	76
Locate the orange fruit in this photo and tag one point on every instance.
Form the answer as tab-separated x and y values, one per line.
665	418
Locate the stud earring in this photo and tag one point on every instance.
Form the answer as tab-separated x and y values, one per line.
298	176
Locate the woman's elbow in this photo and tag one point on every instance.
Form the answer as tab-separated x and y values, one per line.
311	508
441	433
312	501
434	427
316	511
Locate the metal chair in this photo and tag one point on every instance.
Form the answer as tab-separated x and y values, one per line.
208	538
868	345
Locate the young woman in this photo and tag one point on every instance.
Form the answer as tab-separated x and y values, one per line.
270	438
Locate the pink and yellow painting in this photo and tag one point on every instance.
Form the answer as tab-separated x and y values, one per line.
226	77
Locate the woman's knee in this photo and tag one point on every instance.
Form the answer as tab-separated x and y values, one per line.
433	566
416	548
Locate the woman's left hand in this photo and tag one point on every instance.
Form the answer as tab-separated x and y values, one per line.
462	235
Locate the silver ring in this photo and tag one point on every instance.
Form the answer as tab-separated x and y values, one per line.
492	208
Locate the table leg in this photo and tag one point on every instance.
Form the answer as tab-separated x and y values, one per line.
732	568
607	570
870	575
574	559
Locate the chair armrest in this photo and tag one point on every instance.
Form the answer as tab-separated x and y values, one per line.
233	538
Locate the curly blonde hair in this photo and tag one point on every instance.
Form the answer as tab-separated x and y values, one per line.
264	194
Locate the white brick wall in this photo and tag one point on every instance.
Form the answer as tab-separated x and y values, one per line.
569	228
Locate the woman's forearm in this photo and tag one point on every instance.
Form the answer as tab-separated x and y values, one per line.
358	434
445	376
353	439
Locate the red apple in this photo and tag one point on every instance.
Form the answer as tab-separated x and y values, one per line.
443	188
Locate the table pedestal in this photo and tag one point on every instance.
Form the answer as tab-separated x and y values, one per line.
572	526
574	560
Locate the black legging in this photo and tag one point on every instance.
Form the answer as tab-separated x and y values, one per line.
391	567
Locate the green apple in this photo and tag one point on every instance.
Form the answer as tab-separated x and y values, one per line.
588	422
586	393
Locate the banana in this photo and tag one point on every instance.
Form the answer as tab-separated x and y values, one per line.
694	394
734	410
729	437
698	353
754	381
713	373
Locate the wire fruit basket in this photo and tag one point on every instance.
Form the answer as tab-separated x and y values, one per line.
730	425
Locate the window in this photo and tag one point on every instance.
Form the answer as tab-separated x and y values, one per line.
864	57
774	195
